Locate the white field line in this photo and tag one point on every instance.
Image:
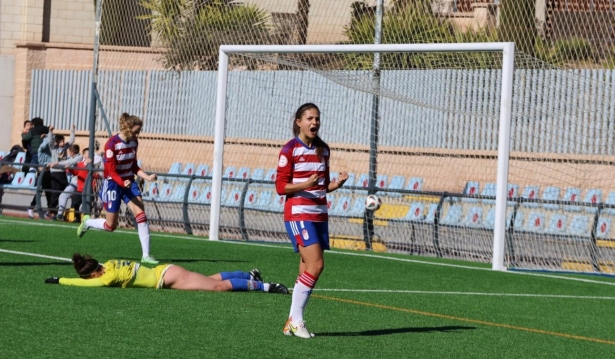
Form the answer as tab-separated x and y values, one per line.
358	254
35	255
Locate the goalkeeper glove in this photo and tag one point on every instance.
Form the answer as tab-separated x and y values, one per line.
53	280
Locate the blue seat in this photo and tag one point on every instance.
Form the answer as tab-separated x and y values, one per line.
264	199
333	176
194	194
251	199
363	180
603	229
610	200
176	168
342	206
30	180
453	215
189	170
416	212
572	194
551	193
234	198
490	219
381	181
202	170
178	193
471	189
166	191
415	184
230	172
594	196
490	190
557	224
258	174
474	217
397	182
535	222
205	196
19	159
2	154
271	174
579	226
244	173
530	192
151	191
277	204
358	207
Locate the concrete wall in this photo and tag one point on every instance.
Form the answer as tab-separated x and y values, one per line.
7	79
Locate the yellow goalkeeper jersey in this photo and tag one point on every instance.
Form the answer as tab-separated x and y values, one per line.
122	273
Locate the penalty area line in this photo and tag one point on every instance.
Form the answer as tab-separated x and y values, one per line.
529	295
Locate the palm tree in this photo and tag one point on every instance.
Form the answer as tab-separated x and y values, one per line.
193	30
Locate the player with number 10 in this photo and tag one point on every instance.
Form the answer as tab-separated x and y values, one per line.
119	184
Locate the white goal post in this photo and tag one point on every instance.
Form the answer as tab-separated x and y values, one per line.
504	127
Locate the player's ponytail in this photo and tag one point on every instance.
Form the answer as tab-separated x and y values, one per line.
127	122
318	142
84	265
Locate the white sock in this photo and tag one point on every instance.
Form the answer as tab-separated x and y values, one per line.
143	229
266	287
301	293
96	223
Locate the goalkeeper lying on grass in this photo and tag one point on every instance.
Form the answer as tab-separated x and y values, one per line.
128	274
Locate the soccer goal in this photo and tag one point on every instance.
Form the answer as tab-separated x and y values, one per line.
258	87
477	152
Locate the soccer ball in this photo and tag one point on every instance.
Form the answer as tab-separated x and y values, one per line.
372	202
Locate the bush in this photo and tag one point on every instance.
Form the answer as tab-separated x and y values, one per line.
572	50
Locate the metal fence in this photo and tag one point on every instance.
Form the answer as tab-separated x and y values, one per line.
554	111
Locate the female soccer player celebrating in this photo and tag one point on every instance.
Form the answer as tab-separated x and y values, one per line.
303	176
127	274
119	184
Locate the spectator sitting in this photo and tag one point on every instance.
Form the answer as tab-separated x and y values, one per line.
7	170
74	158
58	147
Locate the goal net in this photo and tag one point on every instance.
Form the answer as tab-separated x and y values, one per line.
460	176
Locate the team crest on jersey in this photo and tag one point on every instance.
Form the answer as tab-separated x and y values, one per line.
305	234
283	161
109	153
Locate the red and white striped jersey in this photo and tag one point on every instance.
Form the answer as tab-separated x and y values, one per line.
121	159
296	163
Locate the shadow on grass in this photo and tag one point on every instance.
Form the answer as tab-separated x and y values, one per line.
15	241
34	264
395	331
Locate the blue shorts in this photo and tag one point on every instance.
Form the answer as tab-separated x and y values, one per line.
306	233
112	194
